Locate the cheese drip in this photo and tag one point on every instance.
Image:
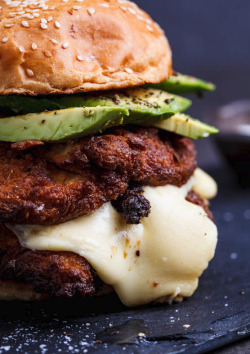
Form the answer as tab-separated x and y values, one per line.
163	256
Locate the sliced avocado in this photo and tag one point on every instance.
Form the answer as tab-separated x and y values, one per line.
60	125
181	84
184	125
77	122
140	101
147	106
140	106
26	104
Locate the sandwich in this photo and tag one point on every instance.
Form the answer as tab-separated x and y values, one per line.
99	185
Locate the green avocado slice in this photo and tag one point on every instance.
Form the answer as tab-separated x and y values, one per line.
184	125
137	106
60	125
181	84
144	101
147	106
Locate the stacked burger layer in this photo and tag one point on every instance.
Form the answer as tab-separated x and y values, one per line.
99	183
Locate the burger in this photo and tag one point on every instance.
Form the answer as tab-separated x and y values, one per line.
99	185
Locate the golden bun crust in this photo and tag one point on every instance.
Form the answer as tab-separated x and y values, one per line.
12	291
60	46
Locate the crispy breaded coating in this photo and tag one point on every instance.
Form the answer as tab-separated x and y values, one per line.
62	274
143	155
132	204
25	145
52	184
32	191
194	198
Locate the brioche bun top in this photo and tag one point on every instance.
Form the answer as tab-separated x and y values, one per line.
69	46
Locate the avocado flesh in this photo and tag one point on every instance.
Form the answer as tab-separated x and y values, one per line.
139	101
184	125
60	125
181	84
138	106
147	106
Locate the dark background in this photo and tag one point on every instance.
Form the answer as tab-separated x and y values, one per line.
209	39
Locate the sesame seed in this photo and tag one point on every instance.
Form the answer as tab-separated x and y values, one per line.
47	54
36	15
5	39
132	11
91	11
43	20
79	0
14	3
50	18
8	25
30	72
76	7
65	45
73	28
43	25
149	28
80	58
104	5
57	24
140	17
29	16
65	0
45	7
21	12
34	46
21	49
35	10
129	71
149	22
25	24
123	8
54	41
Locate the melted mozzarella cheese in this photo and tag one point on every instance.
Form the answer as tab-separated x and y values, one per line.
163	256
204	185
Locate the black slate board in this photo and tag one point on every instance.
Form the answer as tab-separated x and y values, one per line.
218	313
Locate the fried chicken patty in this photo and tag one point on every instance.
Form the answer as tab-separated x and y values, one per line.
52	184
62	274
56	274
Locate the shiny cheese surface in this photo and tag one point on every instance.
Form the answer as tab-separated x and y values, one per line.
163	256
204	185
